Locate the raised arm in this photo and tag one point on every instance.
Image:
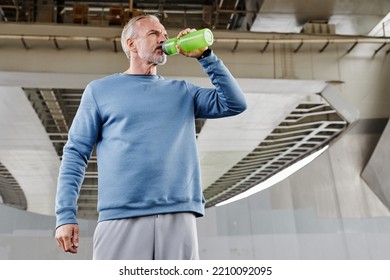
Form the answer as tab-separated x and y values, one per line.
226	99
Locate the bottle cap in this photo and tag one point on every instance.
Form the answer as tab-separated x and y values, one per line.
208	36
169	46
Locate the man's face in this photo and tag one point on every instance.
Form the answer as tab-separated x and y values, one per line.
151	34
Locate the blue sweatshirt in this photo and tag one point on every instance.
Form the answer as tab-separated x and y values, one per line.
144	130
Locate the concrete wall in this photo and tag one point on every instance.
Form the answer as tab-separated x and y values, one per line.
29	236
324	211
376	173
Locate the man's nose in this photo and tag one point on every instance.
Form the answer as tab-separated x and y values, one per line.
161	38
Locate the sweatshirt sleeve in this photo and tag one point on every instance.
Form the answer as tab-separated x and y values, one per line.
76	153
226	99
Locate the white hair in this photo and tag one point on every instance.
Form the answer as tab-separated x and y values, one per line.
130	31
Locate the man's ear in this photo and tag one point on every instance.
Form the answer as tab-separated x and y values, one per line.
131	45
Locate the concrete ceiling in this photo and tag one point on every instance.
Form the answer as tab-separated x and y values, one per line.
39	89
350	17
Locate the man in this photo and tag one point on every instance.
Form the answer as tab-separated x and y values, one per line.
144	130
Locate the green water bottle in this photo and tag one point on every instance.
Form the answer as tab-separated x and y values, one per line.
189	42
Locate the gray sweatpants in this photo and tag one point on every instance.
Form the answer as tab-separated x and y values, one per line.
158	237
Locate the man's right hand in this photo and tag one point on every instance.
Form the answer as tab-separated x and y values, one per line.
67	237
194	53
